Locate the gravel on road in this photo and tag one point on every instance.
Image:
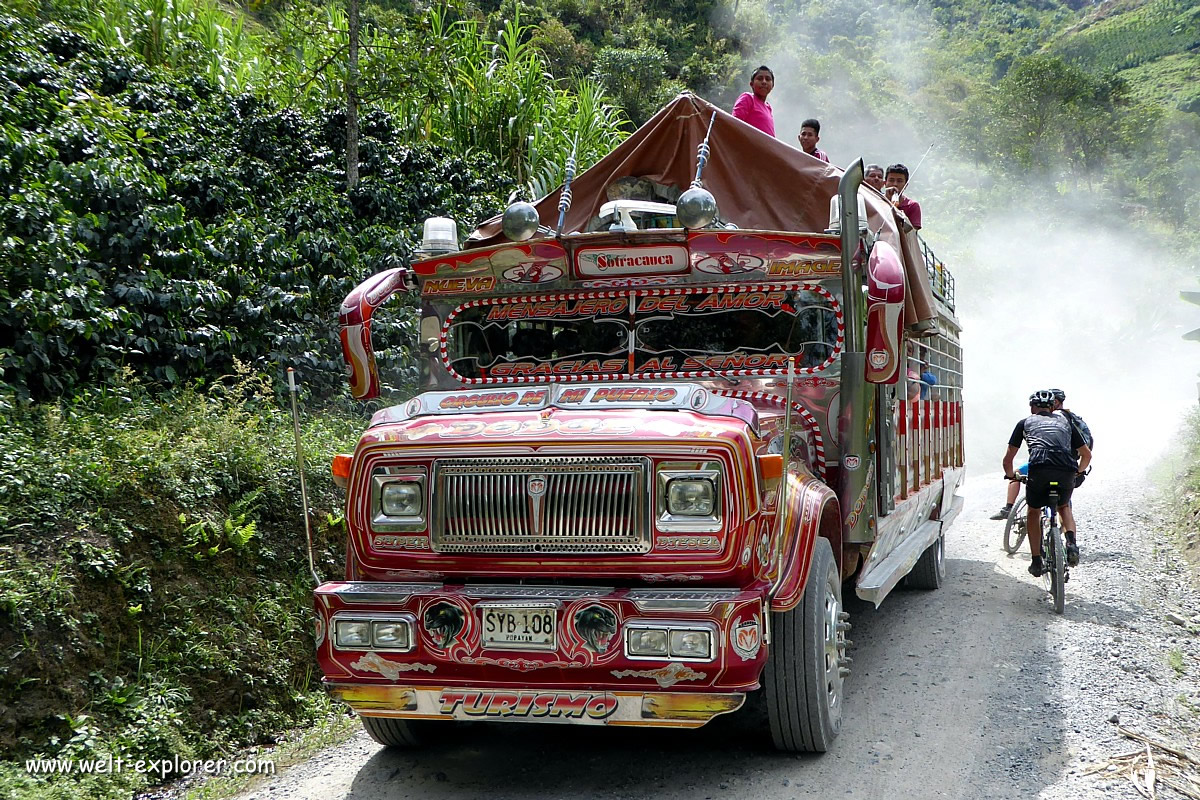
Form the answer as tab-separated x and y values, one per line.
976	690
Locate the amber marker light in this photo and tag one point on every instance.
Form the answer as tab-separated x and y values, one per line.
770	465
341	469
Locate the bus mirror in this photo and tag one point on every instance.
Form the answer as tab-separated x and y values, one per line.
885	314
355	320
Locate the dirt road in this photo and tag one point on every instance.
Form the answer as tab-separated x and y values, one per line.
976	690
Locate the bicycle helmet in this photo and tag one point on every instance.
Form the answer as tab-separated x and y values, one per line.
1059	395
1042	398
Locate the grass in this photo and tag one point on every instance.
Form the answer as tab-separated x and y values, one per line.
1179	477
331	729
154	565
1140	35
1167	81
1175	662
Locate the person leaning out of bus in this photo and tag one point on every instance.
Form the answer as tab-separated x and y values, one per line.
752	107
1054	444
894	183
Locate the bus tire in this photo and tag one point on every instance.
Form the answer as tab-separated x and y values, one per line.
930	569
803	679
395	732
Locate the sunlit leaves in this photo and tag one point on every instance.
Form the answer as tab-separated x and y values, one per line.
168	227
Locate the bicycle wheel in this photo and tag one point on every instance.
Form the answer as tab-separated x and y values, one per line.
1056	563
1014	527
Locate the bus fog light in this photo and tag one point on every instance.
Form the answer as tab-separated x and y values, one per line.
352	633
648	642
691	644
391	635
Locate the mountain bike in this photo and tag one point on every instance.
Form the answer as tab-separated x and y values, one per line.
1054	551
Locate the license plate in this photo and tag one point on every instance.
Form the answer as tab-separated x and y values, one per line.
519	626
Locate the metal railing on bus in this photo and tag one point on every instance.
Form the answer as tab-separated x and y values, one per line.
939	276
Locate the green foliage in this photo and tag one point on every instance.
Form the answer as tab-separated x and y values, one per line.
1155	29
163	225
106	502
1180	480
1044	108
495	95
634	76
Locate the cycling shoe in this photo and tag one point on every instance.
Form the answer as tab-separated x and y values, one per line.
1072	554
1036	568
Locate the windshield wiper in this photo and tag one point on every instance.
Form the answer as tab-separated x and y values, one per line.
685	356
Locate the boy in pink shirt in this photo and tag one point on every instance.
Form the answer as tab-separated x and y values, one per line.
752	107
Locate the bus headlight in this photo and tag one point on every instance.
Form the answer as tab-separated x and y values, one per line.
402	499
691	497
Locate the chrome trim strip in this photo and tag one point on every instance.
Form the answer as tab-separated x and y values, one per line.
364	592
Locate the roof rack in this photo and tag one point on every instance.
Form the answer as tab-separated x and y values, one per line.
940	279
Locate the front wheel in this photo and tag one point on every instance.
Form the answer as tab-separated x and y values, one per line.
1056	563
1014	527
400	733
803	679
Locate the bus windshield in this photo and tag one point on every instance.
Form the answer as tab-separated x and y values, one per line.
644	333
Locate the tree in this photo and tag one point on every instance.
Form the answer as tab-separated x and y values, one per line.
1033	106
354	30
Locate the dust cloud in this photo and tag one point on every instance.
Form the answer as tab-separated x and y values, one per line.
1055	289
1049	302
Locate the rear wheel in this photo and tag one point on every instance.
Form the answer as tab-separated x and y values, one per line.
396	732
1014	528
803	679
930	569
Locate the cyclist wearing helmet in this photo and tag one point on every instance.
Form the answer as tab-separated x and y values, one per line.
1060	397
1014	488
1077	422
1054	443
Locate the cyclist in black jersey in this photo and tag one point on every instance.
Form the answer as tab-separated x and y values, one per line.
1057	453
1060	397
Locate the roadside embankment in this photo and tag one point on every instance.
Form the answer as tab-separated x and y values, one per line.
1179	477
155	596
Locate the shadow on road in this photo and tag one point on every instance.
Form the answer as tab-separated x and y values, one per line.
955	693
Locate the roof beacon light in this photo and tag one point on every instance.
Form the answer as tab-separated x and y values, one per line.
441	236
520	221
697	208
835	214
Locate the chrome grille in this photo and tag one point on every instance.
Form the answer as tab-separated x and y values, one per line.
577	505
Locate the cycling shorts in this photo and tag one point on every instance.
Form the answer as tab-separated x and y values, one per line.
1037	490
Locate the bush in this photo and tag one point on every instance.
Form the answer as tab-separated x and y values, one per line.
155	566
163	225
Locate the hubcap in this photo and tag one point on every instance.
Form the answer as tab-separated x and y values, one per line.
835	648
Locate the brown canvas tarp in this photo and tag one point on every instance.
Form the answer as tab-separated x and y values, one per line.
760	183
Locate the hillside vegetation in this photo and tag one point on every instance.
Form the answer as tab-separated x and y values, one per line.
177	229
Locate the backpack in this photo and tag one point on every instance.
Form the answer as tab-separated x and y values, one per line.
1080	426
